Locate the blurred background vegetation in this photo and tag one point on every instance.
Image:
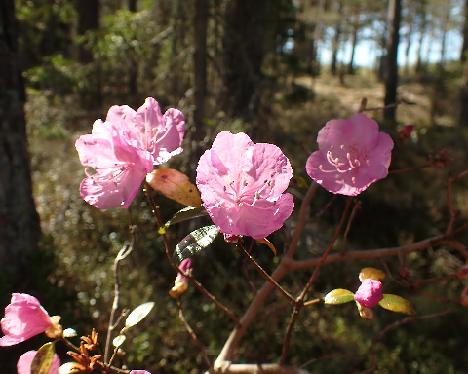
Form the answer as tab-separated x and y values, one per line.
278	70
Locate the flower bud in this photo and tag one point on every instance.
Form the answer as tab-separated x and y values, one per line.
181	283
369	293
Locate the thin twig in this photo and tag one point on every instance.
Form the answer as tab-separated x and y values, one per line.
194	336
222	363
356	207
450	203
300	299
301	219
264	274
167	247
123	253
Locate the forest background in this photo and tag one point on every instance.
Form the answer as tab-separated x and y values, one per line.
278	70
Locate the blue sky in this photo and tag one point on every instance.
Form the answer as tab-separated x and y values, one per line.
367	50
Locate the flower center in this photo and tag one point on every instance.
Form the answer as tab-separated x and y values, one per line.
344	158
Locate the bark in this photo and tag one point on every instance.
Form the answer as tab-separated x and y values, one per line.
391	71
463	115
88	19
408	44
133	67
243	52
445	29
336	40
199	62
464	48
19	221
422	34
354	42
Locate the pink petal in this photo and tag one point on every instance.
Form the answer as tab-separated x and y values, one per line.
169	139
359	130
139	372
25	360
117	188
264	218
270	173
229	149
24	318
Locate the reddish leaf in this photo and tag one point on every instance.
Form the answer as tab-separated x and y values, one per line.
174	185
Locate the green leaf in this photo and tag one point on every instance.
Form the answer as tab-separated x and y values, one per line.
118	341
195	242
395	303
139	313
339	296
42	361
185	214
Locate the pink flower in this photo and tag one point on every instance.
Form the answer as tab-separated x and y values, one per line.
25	360
352	155
24	318
139	372
242	185
369	293
122	150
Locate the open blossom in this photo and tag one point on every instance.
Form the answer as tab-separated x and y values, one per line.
139	372
24	318
122	150
369	293
242	185
352	154
25	360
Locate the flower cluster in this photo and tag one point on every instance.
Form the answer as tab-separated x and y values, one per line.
242	183
120	152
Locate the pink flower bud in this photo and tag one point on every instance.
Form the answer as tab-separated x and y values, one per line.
405	132
25	360
181	284
369	293
24	318
464	297
462	273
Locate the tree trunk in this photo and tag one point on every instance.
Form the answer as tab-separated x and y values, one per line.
336	40
88	19
243	53
354	41
19	221
199	62
464	48
391	71
133	67
463	115
445	28
422	33
408	44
